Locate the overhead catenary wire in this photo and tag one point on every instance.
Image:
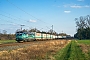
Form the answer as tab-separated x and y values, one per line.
11	23
13	15
10	18
8	21
25	12
13	19
17	18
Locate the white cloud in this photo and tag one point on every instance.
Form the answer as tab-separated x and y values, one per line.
32	20
67	11
79	6
72	6
76	6
80	0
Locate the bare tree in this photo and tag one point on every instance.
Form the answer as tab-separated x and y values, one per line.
4	32
88	20
83	27
34	30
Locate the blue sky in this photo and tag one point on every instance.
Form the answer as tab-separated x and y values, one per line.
42	14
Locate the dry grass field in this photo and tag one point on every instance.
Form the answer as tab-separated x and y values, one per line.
42	51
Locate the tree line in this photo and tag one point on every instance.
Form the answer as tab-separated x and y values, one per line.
7	36
82	27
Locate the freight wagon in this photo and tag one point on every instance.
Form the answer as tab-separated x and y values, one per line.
31	36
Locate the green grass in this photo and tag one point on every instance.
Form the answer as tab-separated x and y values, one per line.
62	53
6	41
84	42
71	52
87	44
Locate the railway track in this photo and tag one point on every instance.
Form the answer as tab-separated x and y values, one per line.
21	43
13	46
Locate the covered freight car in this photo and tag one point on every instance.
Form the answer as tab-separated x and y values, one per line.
31	36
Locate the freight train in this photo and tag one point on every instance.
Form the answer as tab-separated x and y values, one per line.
32	36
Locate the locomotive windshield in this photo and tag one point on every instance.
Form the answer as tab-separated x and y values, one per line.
20	33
